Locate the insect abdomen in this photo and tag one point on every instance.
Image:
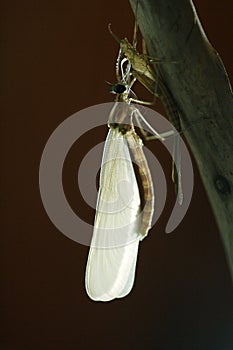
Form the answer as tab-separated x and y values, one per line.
135	145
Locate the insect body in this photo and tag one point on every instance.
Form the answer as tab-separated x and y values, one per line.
120	221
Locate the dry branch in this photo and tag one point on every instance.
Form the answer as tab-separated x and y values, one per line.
203	95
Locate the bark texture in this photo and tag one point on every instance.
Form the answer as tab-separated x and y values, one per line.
196	77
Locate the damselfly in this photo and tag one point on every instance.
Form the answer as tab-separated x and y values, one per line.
120	221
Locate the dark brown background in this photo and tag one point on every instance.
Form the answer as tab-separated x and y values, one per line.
55	58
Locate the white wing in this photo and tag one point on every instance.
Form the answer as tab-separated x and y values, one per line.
113	253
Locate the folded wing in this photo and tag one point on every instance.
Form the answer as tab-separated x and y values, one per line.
113	253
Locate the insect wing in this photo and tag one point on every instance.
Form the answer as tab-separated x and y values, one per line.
113	253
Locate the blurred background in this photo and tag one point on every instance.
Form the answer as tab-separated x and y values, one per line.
56	57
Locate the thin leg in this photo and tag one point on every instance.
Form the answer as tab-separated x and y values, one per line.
176	169
140	102
125	74
139	116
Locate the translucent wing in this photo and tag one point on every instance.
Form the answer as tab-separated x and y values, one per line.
113	253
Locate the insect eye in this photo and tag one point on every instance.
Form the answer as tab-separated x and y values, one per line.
117	89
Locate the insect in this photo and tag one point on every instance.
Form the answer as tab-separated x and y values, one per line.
120	222
153	82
